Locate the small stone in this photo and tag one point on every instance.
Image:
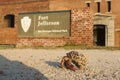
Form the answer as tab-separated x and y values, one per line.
1	72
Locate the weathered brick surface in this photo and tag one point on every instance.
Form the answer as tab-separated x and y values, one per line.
115	12
81	32
81	25
10	35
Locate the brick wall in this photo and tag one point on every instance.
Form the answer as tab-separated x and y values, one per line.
81	25
81	32
9	35
115	12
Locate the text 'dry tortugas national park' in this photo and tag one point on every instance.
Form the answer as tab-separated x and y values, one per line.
59	22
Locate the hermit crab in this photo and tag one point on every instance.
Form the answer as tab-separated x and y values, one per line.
74	61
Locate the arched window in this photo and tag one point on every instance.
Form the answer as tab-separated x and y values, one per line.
9	20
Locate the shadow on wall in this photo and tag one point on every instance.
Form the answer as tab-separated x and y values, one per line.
14	70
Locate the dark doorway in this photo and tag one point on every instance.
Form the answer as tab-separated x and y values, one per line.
99	35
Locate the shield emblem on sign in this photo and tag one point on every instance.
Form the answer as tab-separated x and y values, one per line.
25	23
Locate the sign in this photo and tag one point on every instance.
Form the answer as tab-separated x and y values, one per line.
44	24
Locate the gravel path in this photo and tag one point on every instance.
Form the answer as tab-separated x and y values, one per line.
41	64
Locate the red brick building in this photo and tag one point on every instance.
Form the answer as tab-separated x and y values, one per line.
107	14
103	30
9	11
106	21
106	18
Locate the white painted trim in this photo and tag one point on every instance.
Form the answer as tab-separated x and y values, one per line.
108	0
97	0
118	30
87	1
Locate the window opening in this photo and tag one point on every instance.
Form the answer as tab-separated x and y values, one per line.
88	4
9	20
98	6
109	6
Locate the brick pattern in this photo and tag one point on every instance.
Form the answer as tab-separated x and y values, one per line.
10	35
82	26
40	42
7	36
81	32
114	12
2	2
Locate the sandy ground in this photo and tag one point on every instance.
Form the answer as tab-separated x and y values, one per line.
41	64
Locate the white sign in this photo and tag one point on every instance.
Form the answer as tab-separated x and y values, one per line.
25	23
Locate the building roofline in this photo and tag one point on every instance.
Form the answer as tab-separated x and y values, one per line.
19	1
